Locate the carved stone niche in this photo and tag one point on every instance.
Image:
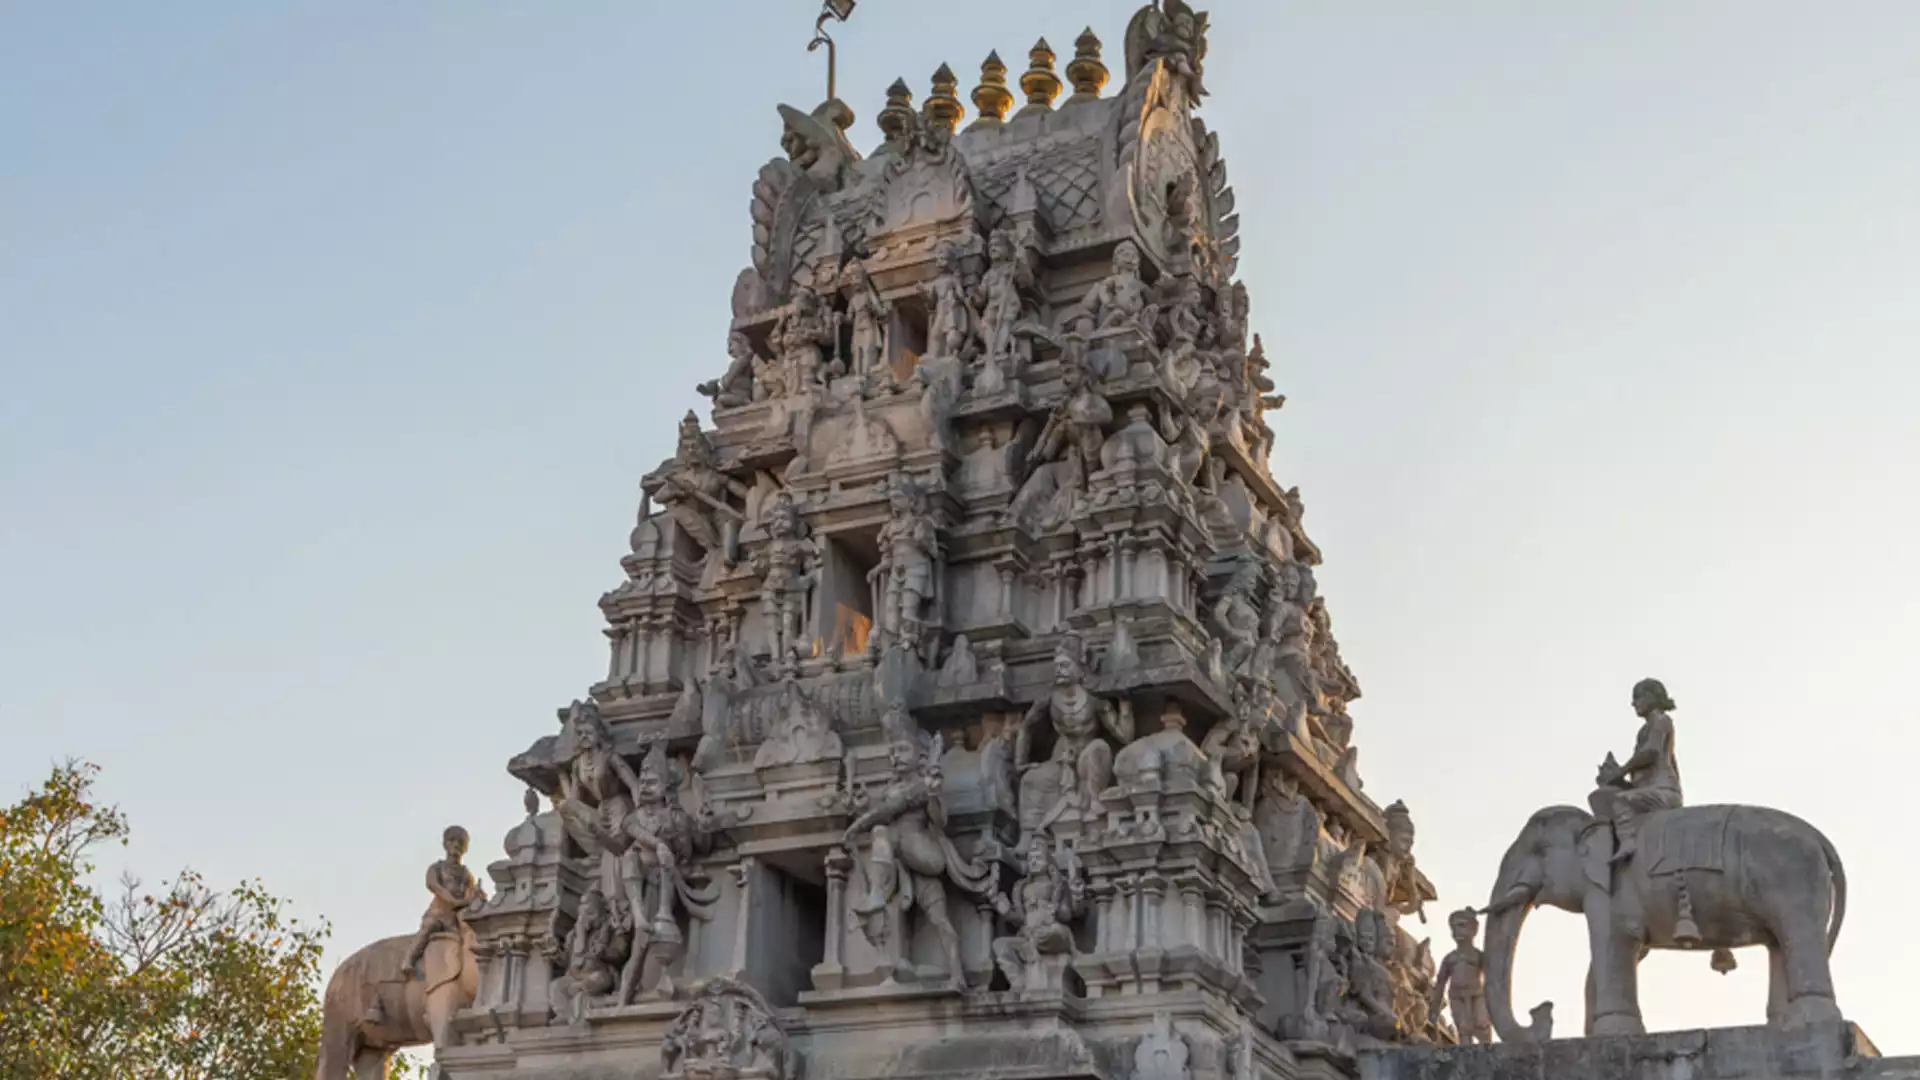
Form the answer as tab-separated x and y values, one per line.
532	881
727	1032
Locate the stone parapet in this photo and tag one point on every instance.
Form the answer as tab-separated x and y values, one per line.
1821	1052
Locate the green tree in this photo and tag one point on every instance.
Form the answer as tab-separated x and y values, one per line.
180	983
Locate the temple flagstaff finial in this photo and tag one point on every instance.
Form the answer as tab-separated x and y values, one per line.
829	9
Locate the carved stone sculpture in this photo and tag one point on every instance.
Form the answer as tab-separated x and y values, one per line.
454	891
1370	996
999	295
1081	764
1042	905
911	856
1460	981
805	732
1067	450
1237	613
952	324
1120	299
1649	780
908	573
694	491
727	1032
788	575
1162	1053
803	334
1727	875
656	843
588	955
737	386
870	314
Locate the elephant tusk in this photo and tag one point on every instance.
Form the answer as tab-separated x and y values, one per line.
1519	894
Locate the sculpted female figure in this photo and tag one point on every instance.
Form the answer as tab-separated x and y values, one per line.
947	334
998	294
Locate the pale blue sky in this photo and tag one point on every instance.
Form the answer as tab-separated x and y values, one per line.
335	336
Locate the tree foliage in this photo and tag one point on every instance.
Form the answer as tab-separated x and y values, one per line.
178	983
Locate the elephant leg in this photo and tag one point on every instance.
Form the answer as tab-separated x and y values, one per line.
335	1059
1809	978
1588	1026
1776	985
370	1064
1616	982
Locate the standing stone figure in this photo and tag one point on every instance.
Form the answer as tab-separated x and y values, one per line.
1042	905
802	334
952	319
869	330
1067	449
1649	780
788	576
1081	765
998	294
454	891
912	854
1461	980
658	838
909	552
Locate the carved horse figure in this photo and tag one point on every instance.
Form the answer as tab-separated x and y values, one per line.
370	1010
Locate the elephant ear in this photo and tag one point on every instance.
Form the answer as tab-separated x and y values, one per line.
1596	853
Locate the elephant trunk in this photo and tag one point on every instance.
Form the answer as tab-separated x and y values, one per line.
1502	941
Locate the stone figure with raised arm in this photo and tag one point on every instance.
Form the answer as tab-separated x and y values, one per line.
1649	780
1042	905
1461	982
1081	765
912	854
694	490
657	840
454	891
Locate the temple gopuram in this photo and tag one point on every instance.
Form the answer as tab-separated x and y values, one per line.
971	708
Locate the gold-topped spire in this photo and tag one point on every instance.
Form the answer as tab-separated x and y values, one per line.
943	107
1040	84
991	97
1086	72
896	119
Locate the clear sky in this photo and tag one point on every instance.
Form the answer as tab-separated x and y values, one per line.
335	336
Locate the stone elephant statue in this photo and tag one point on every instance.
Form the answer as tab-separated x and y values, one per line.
1704	877
370	1010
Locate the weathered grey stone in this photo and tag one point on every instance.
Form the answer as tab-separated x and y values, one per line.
1827	1051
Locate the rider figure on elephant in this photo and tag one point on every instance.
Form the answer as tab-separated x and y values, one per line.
454	891
1649	780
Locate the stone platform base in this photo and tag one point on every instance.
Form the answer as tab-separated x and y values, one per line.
1830	1052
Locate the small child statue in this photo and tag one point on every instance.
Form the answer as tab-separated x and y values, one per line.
454	891
1462	982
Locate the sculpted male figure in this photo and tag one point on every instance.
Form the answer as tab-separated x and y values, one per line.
454	891
912	854
587	956
998	294
1120	297
1649	780
1082	761
1461	982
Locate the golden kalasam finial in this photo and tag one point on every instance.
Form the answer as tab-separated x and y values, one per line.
896	119
1086	72
1040	84
942	106
991	96
829	9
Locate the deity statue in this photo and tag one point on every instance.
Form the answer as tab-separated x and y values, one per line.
694	491
1326	981
1295	682
588	956
1042	905
952	323
998	296
1461	982
909	563
454	892
803	333
737	386
1067	450
788	569
1173	32
870	315
1288	824
912	855
1400	875
1369	1006
1232	747
1238	616
1120	299
1649	780
657	841
805	732
1081	765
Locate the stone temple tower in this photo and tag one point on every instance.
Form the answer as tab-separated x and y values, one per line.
972	709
